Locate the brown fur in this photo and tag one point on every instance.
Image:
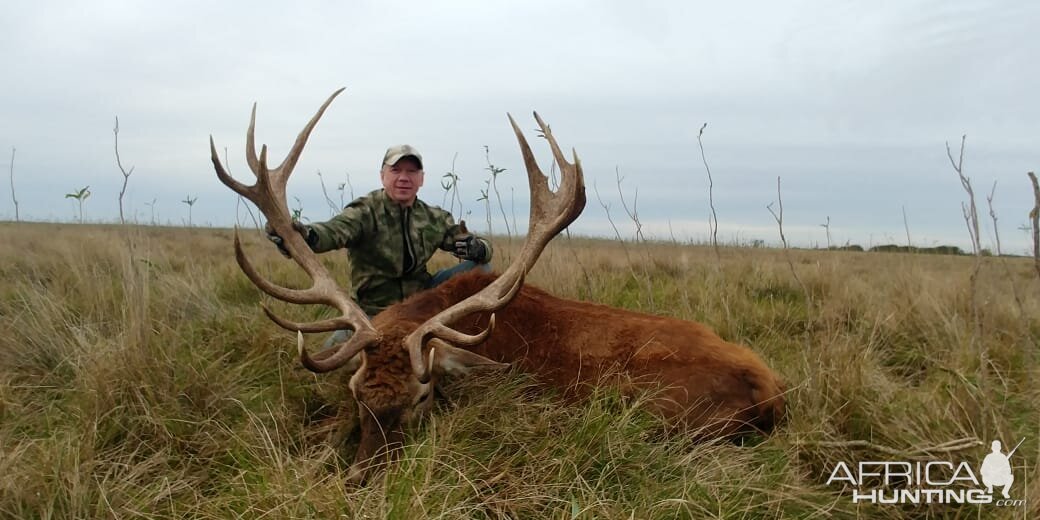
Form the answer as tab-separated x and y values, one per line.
706	383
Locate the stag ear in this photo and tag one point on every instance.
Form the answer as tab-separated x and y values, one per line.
454	361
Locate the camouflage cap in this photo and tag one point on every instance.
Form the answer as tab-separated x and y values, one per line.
396	153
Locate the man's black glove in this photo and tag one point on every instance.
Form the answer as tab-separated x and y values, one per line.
308	234
469	247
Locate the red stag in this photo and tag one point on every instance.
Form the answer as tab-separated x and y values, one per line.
705	383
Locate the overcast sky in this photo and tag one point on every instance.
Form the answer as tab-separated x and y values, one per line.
850	104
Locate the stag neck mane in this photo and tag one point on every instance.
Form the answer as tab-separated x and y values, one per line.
423	305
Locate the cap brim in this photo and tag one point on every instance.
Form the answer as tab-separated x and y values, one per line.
393	159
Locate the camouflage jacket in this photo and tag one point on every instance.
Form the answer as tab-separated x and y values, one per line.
388	246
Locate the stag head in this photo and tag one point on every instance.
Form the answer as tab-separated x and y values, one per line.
395	359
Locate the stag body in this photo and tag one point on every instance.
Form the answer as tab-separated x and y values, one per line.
700	381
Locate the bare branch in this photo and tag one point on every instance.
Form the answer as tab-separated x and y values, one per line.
779	217
450	185
993	215
713	223
971	214
633	212
971	218
906	226
827	228
1034	216
494	172
617	233
1003	261
241	200
151	208
126	173
325	192
13	198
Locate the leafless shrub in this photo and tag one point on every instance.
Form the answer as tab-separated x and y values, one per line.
1000	256
624	247
713	222
993	215
333	210
971	219
126	173
346	185
13	198
633	215
779	217
906	226
494	171
450	184
827	228
1034	216
487	204
151	208
633	212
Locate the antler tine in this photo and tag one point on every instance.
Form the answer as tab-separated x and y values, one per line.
568	202
454	337
268	193
269	196
271	182
223	175
294	153
313	326
342	356
550	213
277	291
254	165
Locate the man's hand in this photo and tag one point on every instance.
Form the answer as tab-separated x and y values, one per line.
304	230
468	247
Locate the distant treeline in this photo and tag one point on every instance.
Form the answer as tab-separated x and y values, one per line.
892	248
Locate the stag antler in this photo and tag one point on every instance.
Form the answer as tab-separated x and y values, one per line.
269	195
550	213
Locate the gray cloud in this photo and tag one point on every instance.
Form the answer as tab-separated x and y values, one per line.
849	104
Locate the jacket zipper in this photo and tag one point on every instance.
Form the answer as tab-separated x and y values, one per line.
409	252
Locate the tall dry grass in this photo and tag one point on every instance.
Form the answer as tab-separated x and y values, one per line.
138	378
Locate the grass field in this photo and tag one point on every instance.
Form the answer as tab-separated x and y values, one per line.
139	379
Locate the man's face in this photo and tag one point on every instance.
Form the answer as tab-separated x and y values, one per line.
402	180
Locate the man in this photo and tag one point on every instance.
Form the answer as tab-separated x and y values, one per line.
390	235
